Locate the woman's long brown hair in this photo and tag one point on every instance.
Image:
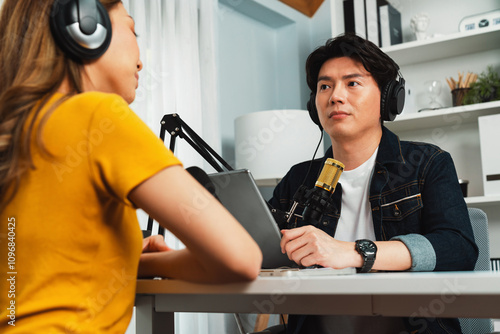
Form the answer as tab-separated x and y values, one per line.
32	68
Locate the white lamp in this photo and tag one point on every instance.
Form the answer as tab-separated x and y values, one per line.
269	142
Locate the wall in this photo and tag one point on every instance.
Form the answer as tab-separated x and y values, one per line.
263	45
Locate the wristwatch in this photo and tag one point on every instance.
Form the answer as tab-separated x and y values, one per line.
368	251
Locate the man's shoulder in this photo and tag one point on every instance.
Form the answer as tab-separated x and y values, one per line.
392	141
409	146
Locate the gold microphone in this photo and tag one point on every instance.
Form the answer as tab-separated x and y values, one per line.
330	174
318	200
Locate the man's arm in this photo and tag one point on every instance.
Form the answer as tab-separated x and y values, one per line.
309	246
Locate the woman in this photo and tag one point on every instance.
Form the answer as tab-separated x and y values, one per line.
75	164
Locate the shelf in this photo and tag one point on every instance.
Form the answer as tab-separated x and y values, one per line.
443	117
483	201
457	44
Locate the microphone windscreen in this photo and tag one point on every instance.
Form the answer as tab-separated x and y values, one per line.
330	175
202	178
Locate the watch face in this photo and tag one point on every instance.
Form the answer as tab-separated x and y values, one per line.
367	246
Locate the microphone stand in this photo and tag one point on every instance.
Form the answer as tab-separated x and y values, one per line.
176	127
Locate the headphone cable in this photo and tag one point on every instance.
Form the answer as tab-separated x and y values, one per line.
311	162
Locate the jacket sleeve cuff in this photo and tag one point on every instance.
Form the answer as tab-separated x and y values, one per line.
423	256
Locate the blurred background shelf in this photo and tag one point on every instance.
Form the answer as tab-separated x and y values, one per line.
483	201
443	117
452	45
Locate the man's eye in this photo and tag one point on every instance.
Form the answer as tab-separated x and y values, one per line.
323	87
353	83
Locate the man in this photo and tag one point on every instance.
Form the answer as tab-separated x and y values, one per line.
399	204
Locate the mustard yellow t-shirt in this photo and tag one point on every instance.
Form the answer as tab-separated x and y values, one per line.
73	234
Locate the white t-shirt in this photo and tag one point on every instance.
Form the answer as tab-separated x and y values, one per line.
356	215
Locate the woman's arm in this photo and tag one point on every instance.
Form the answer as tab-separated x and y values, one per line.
218	249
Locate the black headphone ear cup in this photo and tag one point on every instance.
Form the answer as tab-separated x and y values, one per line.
313	112
384	101
392	99
68	35
399	98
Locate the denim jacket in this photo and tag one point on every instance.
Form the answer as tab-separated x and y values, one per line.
415	197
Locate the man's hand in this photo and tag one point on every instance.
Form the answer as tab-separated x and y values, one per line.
308	245
154	243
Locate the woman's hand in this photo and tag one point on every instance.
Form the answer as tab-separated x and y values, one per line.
154	243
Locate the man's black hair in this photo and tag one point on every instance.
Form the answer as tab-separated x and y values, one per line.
382	68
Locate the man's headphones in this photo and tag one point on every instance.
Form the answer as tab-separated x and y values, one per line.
81	28
392	100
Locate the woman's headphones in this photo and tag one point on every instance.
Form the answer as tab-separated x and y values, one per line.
81	28
392	100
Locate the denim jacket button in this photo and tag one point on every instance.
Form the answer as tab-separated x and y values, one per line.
397	213
325	223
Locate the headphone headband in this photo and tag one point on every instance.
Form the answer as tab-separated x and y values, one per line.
87	16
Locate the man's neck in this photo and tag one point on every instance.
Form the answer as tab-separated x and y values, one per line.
353	153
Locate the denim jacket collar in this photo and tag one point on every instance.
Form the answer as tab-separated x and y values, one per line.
389	148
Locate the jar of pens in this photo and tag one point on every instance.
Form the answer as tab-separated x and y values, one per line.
460	87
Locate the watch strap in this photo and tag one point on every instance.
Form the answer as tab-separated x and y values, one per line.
368	264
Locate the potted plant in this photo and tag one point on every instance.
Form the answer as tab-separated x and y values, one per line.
485	89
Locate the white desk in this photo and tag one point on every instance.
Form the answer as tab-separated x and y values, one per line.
443	294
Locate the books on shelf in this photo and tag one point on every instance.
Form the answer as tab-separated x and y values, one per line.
372	21
390	26
354	17
375	20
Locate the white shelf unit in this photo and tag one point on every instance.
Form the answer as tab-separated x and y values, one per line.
443	117
440	48
483	201
452	45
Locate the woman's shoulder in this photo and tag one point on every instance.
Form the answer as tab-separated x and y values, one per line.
95	99
81	113
91	106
